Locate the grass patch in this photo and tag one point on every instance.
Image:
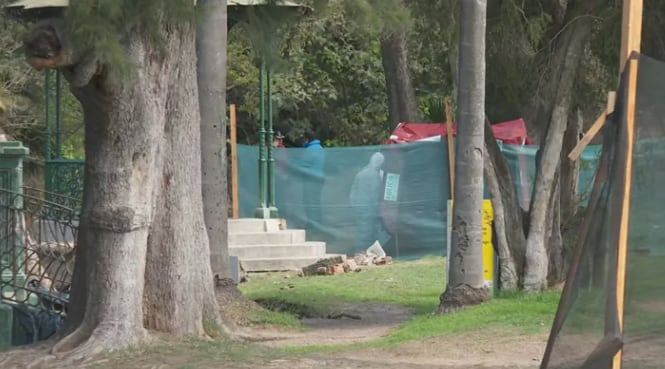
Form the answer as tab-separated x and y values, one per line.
517	313
268	317
416	284
524	313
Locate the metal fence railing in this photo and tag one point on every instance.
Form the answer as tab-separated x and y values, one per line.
37	246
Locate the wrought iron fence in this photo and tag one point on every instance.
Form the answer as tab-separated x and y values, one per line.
64	177
37	243
66	206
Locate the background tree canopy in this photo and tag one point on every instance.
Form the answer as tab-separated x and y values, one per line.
332	78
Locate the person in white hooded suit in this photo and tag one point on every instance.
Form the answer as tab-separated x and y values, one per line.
365	199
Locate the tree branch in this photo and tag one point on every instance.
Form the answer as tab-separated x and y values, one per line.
48	47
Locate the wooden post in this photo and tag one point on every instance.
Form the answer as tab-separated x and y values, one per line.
631	30
631	39
622	252
234	162
595	128
451	146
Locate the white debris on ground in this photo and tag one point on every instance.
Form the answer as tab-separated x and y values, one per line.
374	255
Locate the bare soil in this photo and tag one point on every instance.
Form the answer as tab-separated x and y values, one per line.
347	324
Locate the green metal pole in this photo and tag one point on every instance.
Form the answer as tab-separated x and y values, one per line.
261	212
47	111
58	115
272	203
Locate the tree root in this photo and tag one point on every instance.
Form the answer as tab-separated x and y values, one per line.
86	344
40	361
25	357
72	340
457	298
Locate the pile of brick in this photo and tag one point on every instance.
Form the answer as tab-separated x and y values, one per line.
341	264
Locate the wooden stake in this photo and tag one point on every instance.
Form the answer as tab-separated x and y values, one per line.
631	30
234	162
594	129
451	146
622	257
631	41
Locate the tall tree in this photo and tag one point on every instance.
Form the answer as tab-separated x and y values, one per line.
553	104
392	20
142	260
211	41
402	103
566	28
466	285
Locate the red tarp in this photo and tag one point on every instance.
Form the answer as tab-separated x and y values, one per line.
512	132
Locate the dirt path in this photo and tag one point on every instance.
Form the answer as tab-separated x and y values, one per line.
487	349
350	323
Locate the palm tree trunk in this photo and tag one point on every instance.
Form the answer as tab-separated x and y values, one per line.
466	285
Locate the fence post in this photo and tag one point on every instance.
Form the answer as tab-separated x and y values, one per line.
12	154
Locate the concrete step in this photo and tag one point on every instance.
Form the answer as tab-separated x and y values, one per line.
279	264
267	238
305	249
250	225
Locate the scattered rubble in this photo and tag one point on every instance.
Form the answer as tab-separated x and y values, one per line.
375	255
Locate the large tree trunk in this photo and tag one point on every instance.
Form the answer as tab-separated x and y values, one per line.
179	294
568	53
508	215
211	35
466	285
142	259
402	103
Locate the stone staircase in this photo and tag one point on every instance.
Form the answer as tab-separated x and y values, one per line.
264	245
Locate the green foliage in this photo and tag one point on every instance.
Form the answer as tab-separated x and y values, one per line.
378	16
100	25
328	64
434	109
330	81
73	131
21	96
432	49
263	27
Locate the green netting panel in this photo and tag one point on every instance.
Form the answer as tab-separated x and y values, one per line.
405	211
644	324
522	161
408	219
587	333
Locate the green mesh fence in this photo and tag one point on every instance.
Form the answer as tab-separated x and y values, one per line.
587	332
401	202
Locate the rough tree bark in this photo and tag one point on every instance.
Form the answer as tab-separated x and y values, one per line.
568	52
508	215
570	169
211	36
402	103
142	260
466	282
554	239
